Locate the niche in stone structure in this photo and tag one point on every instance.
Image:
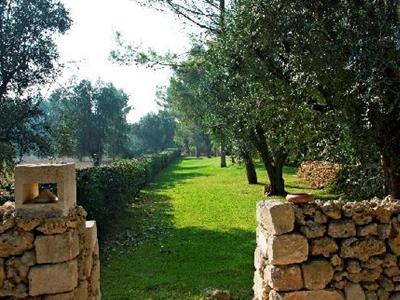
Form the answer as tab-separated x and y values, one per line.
40	193
45	190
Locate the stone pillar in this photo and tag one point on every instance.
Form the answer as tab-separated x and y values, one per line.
47	248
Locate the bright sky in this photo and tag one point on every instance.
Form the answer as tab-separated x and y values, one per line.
85	48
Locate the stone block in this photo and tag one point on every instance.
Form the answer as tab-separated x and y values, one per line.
2	272
284	278
342	229
259	259
53	279
94	281
15	242
63	296
27	180
325	246
262	239
354	291
287	249
90	236
307	295
276	217
362	249
260	287
317	274
57	248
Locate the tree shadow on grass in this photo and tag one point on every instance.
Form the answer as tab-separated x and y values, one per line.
147	257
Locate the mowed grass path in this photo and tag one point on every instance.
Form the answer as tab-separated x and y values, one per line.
198	225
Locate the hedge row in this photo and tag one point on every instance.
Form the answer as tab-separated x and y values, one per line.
105	191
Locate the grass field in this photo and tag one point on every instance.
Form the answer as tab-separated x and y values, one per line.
190	231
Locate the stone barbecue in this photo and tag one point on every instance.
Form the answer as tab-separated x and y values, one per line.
328	250
47	248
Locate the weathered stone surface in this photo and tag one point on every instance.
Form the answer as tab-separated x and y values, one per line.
337	263
394	242
384	231
386	284
353	266
17	267
2	272
15	242
287	249
259	259
53	226
28	224
57	248
276	217
372	263
284	278
81	292
313	230
325	246
332	210
370	229
342	229
260	287
307	295
63	296
392	271
261	239
362	249
354	291
53	279
317	274
365	276
94	281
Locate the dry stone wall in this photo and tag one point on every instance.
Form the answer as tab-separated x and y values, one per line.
47	248
48	258
331	250
51	258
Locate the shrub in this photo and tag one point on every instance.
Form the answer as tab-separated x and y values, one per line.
359	181
105	191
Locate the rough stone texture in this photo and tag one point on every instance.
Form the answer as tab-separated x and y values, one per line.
317	274
284	278
362	249
324	246
357	245
313	230
42	240
354	291
342	229
276	217
287	249
307	295
15	242
53	278
57	248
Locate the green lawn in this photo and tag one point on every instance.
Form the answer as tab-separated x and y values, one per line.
190	231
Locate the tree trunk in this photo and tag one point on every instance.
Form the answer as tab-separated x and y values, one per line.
197	152
273	163
233	160
391	169
250	168
223	155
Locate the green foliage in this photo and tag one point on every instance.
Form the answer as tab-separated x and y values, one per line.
89	119
156	131
107	191
28	55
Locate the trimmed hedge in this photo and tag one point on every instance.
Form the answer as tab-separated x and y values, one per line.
105	191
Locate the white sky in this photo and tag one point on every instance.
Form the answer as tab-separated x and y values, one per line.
91	38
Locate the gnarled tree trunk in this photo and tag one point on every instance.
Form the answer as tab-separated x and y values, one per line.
273	163
250	168
391	166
